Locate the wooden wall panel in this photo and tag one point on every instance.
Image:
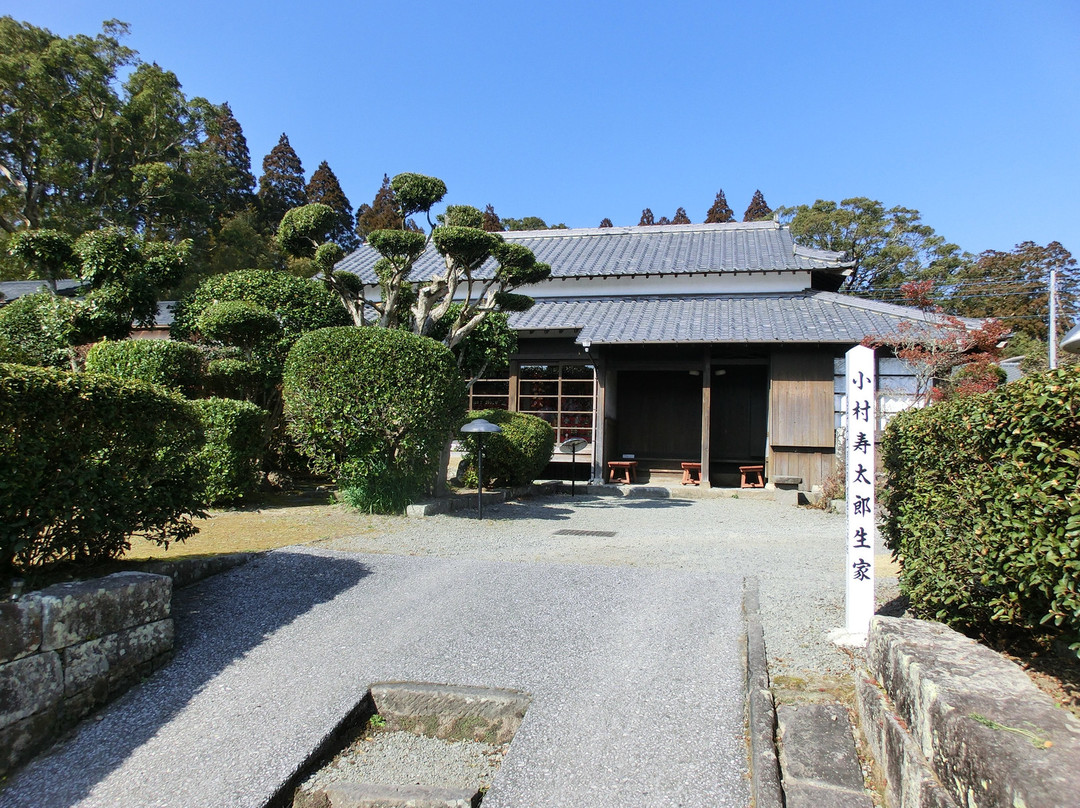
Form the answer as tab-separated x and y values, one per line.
801	399
813	467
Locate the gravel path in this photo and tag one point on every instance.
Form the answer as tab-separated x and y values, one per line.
797	554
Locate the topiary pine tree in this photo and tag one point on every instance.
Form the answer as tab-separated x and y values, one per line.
492	222
680	217
646	218
720	211
324	189
759	209
281	186
606	222
382	213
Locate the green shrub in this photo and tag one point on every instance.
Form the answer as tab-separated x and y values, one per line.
175	365
87	461
983	508
231	377
39	329
373	407
299	305
238	322
233	452
515	456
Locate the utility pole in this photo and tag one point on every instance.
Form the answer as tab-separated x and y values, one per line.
1052	335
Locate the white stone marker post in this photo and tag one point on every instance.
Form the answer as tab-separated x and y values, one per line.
860	422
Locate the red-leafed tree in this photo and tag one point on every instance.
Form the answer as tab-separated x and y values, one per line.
758	210
720	211
680	217
606	222
647	218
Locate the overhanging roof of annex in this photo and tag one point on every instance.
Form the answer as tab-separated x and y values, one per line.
685	249
810	316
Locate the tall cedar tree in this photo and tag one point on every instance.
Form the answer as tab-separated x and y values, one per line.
492	222
324	189
382	213
281	186
720	211
759	209
225	139
606	222
680	217
663	220
646	218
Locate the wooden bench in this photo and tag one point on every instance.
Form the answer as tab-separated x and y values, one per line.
628	468
691	473
752	476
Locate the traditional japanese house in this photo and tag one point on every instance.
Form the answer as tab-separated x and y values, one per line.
713	343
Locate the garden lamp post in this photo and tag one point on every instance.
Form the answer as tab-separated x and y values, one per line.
572	445
480	427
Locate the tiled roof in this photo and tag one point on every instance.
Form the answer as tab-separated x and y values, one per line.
657	250
12	290
809	316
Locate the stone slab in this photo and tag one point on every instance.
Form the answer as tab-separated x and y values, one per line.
30	685
20	740
764	765
817	746
74	612
20	627
368	795
976	717
815	795
455	713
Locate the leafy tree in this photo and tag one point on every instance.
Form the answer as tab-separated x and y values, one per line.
50	169
1015	286
530	223
239	244
663	220
281	186
324	189
606	222
492	222
720	211
39	329
680	217
646	218
889	247
758	210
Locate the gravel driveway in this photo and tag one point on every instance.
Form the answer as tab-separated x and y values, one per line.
797	554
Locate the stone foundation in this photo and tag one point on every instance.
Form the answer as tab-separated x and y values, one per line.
70	648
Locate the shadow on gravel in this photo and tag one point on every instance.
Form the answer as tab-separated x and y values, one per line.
218	620
512	511
635	504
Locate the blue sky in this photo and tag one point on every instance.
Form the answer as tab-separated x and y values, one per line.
967	111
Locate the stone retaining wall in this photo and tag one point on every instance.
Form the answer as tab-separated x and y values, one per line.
952	723
70	648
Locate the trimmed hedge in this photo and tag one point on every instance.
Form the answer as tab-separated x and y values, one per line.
39	329
87	461
515	456
175	365
983	507
233	452
373	407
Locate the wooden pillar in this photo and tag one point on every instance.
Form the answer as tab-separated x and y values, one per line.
599	406
515	372
706	415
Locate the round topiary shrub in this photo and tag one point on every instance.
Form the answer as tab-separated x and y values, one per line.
515	456
235	443
373	407
174	365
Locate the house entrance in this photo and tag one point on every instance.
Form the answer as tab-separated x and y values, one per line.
659	416
739	418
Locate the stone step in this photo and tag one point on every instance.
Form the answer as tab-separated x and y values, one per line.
818	763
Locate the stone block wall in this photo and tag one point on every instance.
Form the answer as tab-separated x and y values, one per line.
70	648
952	723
